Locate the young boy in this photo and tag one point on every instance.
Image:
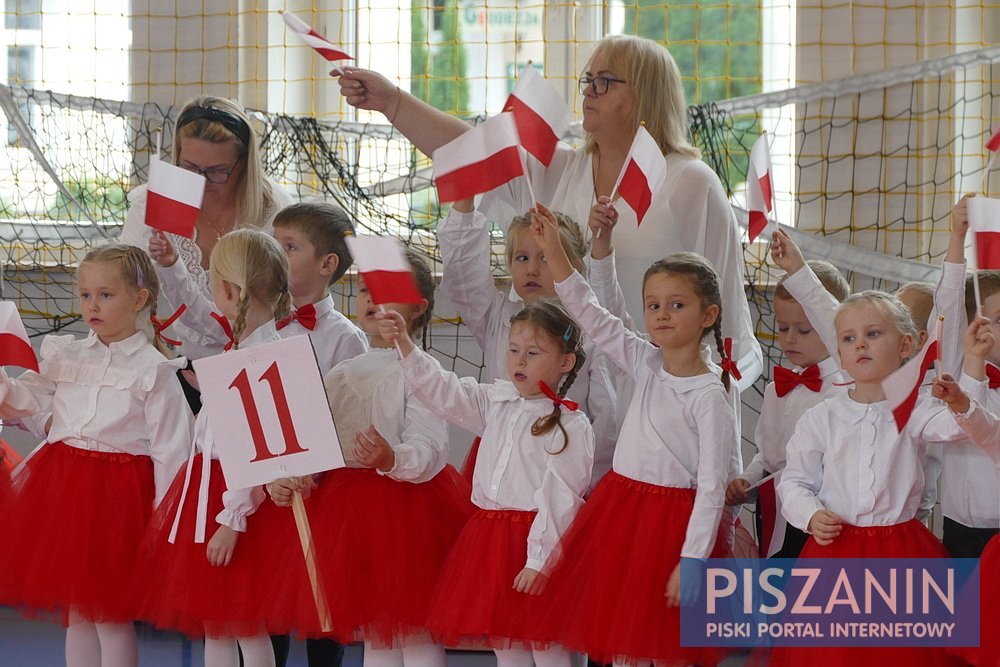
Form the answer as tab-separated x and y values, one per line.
312	236
792	392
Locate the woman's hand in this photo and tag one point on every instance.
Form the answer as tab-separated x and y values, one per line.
161	250
373	451
368	90
221	546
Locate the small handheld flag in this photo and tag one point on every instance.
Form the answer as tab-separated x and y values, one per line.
485	157
540	112
382	263
15	349
318	42
174	197
902	387
642	173
760	192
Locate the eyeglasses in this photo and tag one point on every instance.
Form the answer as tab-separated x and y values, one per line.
598	84
217	175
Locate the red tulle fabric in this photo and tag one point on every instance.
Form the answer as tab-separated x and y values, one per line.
905	540
71	531
381	545
469	467
475	602
607	596
987	654
177	588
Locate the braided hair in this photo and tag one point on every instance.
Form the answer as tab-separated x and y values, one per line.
425	283
548	315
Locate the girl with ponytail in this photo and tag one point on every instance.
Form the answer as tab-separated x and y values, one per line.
665	494
202	571
532	471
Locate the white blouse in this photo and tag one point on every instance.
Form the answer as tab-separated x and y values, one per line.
135	232
237	504
848	457
370	390
468	284
689	446
514	469
123	397
689	212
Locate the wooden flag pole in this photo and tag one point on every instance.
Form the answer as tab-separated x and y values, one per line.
309	551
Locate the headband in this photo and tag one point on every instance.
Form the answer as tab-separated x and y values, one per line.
231	122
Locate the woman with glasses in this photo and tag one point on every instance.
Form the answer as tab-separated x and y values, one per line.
212	137
628	81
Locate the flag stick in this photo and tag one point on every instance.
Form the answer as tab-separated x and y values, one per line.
522	153
309	551
975	276
938	333
159	140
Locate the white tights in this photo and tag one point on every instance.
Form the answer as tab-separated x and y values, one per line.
555	656
257	652
420	655
91	644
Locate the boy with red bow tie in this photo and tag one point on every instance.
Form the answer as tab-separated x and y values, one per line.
793	391
312	236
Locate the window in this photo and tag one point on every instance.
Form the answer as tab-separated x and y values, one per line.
23	14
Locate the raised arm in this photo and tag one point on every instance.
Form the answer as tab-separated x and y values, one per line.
426	127
820	306
179	288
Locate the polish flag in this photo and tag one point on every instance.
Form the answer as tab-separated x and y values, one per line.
479	160
321	44
993	145
984	220
15	349
901	388
173	198
540	112
643	172
760	195
381	261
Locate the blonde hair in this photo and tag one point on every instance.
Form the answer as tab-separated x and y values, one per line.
921	312
137	272
659	92
888	304
831	279
570	236
254	262
255	192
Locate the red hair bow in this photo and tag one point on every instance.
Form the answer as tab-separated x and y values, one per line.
551	395
727	359
159	326
224	323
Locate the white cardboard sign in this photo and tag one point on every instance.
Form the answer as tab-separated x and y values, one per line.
268	411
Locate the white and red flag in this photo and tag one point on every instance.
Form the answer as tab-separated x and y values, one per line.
321	44
984	220
993	145
760	193
540	112
381	261
643	172
174	198
902	387
485	157
15	349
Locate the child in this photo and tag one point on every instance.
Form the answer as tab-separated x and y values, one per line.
970	491
532	471
120	427
218	590
312	236
468	284
383	525
814	377
854	481
662	502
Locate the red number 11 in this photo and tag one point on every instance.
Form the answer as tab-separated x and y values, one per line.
273	378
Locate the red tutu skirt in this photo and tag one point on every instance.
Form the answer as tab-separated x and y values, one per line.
607	597
987	654
71	531
381	545
905	540
176	587
469	466
475	601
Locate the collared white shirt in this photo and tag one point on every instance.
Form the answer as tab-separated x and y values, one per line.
334	338
514	469
122	397
237	504
678	431
370	390
468	285
689	211
135	232
848	457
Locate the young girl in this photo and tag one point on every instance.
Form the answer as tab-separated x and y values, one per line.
853	481
119	431
218	590
533	468
665	494
468	284
383	525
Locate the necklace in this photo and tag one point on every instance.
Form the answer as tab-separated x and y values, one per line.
218	233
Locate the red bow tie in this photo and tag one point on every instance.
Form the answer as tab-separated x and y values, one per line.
786	380
727	360
159	326
993	376
224	323
306	316
552	396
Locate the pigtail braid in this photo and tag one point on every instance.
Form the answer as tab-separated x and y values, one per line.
242	304
717	332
